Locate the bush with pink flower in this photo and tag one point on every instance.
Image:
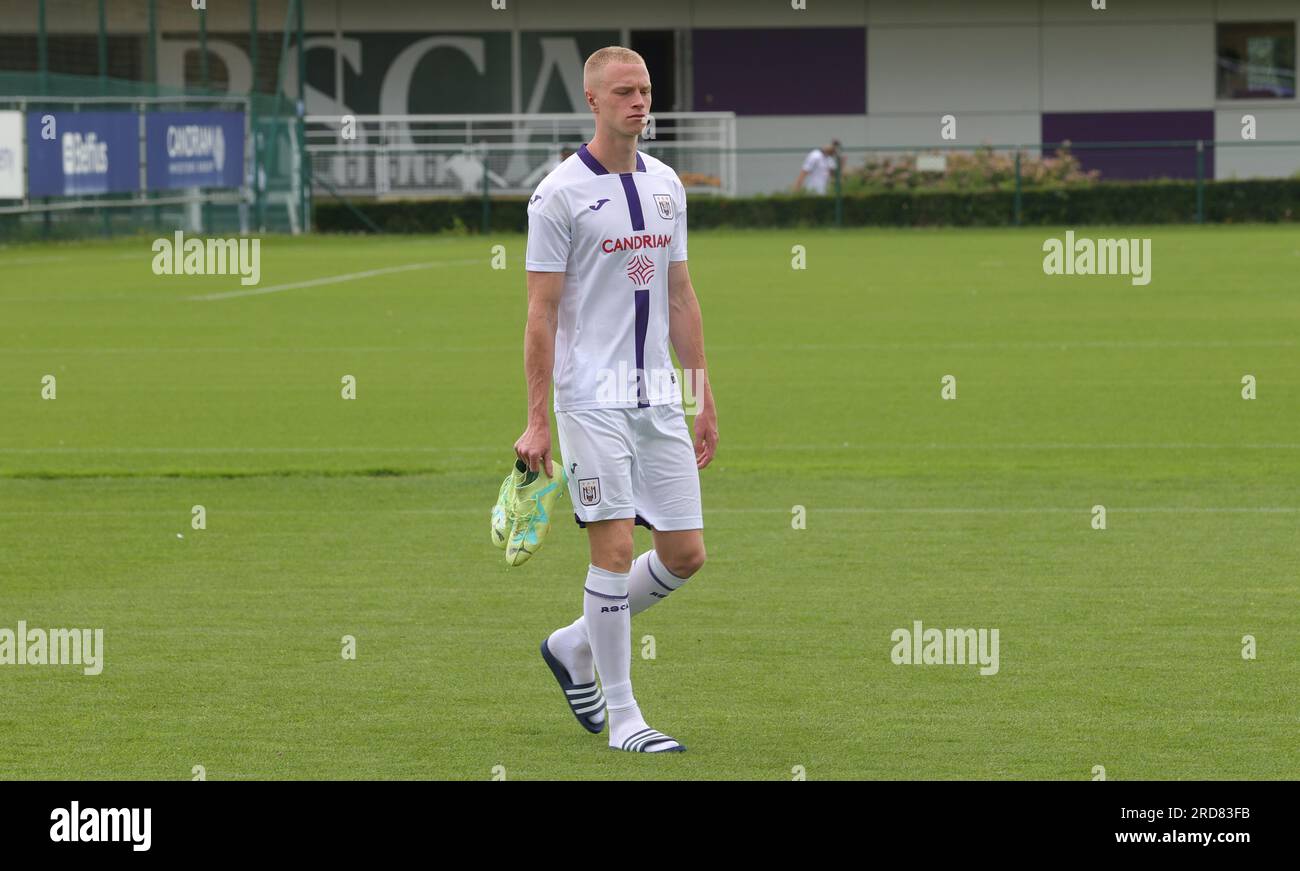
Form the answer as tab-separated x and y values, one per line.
978	170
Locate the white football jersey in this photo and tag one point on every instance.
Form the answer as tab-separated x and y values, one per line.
613	236
819	167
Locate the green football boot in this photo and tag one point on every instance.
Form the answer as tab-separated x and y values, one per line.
502	519
530	500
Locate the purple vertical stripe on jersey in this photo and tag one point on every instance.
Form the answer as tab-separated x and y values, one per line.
642	323
642	296
633	201
640	164
590	159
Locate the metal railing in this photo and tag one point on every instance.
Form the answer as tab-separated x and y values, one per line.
506	154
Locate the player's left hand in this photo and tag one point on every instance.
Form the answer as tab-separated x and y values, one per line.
706	436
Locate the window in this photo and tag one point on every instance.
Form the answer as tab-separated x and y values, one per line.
1256	60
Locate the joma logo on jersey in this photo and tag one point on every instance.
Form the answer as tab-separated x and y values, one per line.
636	243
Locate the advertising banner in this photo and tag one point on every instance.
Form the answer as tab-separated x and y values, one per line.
194	149
76	153
13	183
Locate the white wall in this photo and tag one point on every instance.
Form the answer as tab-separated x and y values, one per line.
1117	67
1250	160
985	68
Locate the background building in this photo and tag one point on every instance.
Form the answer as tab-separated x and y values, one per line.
868	72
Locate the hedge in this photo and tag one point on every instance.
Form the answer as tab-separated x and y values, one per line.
1157	202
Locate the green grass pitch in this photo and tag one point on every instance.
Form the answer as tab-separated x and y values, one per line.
369	517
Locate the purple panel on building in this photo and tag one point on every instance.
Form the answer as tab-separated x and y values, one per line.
780	71
1135	163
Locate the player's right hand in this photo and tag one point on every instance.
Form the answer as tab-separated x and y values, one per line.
534	448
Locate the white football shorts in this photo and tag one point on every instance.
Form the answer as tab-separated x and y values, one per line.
631	463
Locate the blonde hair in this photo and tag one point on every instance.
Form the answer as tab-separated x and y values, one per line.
601	58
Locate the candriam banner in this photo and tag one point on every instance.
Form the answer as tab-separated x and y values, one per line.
194	149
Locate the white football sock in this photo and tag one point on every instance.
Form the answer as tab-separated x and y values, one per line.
569	645
648	583
609	629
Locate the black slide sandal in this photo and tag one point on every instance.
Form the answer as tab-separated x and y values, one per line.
583	699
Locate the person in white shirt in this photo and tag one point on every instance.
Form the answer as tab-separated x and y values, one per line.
818	167
608	291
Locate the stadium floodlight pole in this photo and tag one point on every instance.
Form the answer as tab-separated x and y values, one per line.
203	45
304	168
103	50
153	44
302	54
42	46
252	115
252	44
205	211
274	148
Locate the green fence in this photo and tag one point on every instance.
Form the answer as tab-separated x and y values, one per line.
117	69
990	185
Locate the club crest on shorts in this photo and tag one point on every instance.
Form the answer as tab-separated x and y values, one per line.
665	204
589	490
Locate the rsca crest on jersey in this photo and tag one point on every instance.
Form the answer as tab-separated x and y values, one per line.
589	490
665	204
640	269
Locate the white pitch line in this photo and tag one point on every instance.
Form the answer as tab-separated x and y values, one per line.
1043	446
1078	510
476	509
478	449
400	349
331	279
24	261
248	450
197	350
1040	345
